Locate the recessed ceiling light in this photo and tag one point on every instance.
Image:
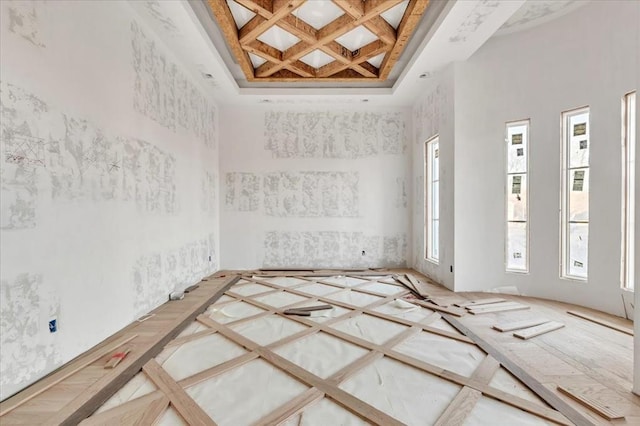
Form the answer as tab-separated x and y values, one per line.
425	75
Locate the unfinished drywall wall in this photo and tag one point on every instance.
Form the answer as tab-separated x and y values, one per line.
433	115
587	57
109	179
315	187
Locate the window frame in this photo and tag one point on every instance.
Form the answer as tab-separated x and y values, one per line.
628	229
527	123
428	200
565	192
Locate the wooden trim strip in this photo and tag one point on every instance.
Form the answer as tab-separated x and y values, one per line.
450	311
592	404
179	341
518	325
355	405
368	310
460	408
538	388
154	411
291	408
182	402
352	368
528	333
602	322
61	374
499	309
88	401
479	302
133	411
486	370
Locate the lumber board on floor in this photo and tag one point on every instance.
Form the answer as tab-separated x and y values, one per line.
479	302
153	334
62	373
602	322
458	411
516	307
514	368
530	332
518	325
451	311
591	403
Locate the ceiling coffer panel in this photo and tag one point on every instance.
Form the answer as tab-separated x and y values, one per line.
340	40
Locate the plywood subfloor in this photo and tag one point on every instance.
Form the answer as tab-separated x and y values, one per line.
245	335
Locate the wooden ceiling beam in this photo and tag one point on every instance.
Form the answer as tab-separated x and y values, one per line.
328	33
377	25
365	53
260	7
370	68
227	24
411	18
347	65
258	24
273	55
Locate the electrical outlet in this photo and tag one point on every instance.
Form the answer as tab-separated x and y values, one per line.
53	325
209	258
364	253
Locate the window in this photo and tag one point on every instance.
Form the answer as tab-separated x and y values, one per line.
628	189
432	199
517	197
575	194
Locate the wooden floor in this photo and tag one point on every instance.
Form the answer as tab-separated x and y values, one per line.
585	357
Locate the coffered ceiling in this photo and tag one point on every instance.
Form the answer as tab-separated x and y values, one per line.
289	48
312	40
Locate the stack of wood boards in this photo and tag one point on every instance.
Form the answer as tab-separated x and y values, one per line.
487	306
527	329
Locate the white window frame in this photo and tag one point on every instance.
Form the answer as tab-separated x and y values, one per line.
566	191
629	124
509	124
428	202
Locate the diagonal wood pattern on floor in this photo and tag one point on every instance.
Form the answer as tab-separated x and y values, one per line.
245	334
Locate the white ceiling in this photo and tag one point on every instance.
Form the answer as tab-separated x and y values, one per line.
450	31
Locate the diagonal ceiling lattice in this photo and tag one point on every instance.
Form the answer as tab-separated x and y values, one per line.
311	40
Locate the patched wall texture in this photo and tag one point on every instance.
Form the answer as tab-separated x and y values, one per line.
26	302
108	178
316	188
298	194
334	134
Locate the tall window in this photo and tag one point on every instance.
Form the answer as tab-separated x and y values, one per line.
575	194
628	189
517	196
432	199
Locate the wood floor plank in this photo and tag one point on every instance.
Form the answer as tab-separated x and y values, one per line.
61	374
459	409
345	399
479	302
499	309
183	403
518	325
291	408
542	391
530	332
602	322
591	403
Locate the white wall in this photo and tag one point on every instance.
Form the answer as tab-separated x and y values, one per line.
433	114
315	187
588	57
109	179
